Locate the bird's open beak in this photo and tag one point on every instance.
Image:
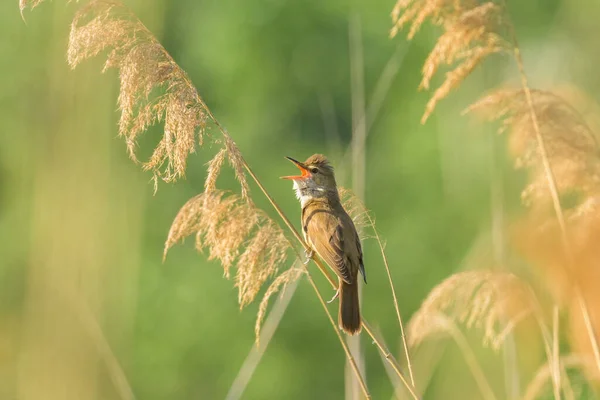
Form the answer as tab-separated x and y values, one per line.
301	167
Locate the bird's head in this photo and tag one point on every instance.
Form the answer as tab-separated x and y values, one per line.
316	178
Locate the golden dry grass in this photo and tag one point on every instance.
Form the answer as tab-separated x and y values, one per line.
235	233
494	302
31	4
154	89
571	145
472	32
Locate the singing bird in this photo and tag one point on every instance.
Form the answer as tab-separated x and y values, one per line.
330	232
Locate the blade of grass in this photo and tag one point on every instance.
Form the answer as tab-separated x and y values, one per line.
555	354
470	358
395	298
359	136
382	88
266	334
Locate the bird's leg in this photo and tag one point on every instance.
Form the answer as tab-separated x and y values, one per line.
309	254
335	296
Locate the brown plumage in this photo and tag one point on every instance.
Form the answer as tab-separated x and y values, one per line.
330	232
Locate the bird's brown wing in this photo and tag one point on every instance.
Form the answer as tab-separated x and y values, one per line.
329	235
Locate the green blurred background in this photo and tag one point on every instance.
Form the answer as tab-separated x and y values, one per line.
75	211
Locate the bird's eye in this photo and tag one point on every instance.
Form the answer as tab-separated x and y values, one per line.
314	170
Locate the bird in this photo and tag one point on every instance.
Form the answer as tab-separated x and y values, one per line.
330	232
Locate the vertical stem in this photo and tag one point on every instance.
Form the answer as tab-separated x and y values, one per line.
359	135
389	357
555	366
397	308
511	369
471	360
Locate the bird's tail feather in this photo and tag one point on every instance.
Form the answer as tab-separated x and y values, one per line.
349	315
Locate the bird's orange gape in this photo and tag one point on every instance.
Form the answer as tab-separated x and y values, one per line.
303	169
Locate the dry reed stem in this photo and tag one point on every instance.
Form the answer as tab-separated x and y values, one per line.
396	382
545	372
359	138
555	353
547	340
385	352
395	299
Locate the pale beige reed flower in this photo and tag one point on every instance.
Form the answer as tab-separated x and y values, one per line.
31	4
494	302
154	89
238	235
472	32
279	284
356	210
571	145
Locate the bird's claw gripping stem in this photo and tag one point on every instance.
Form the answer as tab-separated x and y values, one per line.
335	296
309	254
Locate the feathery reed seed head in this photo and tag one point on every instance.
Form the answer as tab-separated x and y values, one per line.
31	4
153	87
472	32
236	233
278	284
571	145
493	301
356	209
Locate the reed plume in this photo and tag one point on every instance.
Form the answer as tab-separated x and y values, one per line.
235	233
472	32
356	210
572	149
571	145
153	88
279	284
31	4
494	302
